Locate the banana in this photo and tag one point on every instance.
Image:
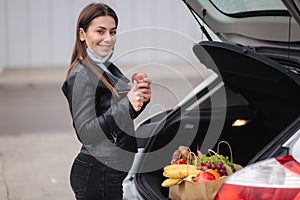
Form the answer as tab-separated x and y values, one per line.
170	181
174	174
180	171
195	173
179	167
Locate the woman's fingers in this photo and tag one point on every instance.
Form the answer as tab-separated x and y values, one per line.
145	84
139	94
136	98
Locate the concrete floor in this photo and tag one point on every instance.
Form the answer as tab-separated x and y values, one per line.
37	143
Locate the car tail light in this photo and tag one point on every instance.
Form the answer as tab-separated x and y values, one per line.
290	163
276	178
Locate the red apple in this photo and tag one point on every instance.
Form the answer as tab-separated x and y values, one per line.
139	77
204	177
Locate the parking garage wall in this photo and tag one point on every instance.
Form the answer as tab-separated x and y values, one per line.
40	33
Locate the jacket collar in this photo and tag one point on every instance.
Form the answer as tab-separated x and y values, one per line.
112	74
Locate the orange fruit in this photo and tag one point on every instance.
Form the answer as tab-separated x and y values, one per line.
213	172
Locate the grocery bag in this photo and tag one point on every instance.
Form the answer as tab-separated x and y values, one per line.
228	168
188	190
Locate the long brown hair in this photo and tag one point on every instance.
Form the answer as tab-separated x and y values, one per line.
89	13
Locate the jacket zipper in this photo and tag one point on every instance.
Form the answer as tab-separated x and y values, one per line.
115	137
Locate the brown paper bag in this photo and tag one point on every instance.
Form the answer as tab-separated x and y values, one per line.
228	168
188	190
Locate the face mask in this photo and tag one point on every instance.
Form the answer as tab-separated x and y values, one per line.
96	58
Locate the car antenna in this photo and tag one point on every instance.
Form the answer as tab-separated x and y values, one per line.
201	26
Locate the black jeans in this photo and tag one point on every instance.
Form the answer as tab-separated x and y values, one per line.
93	180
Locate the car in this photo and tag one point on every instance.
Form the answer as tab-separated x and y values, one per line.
250	99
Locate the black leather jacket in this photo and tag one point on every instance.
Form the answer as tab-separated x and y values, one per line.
103	123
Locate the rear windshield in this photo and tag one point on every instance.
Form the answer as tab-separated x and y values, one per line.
250	7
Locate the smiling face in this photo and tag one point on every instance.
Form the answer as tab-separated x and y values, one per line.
100	35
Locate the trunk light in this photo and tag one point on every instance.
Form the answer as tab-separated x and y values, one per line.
240	122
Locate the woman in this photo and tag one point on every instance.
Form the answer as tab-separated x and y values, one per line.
103	105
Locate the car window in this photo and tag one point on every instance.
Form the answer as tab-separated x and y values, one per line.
230	7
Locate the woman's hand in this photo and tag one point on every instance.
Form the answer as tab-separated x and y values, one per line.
139	94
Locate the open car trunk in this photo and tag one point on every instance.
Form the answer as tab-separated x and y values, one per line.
267	85
257	88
